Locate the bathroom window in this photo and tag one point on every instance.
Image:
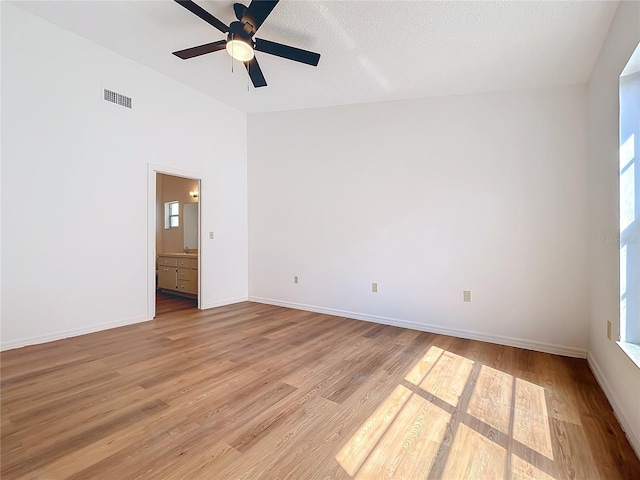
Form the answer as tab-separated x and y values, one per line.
171	215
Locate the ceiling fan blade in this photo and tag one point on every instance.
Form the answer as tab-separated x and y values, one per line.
255	73
201	49
256	14
239	10
203	14
285	51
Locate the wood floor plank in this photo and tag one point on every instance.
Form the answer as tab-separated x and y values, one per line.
448	377
556	378
19	462
410	444
572	456
355	452
491	401
530	419
474	456
196	460
45	427
522	470
64	382
259	391
319	447
285	437
93	459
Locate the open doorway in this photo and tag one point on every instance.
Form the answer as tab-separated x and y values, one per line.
174	242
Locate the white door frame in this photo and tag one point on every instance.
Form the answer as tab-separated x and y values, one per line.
152	170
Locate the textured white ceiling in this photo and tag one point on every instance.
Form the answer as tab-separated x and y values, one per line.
371	50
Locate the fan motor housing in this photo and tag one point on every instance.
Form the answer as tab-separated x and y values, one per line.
237	31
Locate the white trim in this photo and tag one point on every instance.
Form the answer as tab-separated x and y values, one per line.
69	333
152	170
199	202
178	172
222	303
151	242
426	327
623	420
631	350
98	328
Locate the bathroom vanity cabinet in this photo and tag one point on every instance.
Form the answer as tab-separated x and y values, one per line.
178	272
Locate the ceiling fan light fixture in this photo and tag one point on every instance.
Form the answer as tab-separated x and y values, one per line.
240	49
240	43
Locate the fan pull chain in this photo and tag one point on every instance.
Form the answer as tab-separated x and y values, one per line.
232	57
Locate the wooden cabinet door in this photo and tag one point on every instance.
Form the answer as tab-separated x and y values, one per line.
167	278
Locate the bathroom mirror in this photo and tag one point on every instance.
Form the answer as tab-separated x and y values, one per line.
190	222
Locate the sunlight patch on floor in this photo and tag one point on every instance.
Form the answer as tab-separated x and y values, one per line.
447	378
487	412
531	422
474	456
356	451
523	470
491	398
401	438
424	366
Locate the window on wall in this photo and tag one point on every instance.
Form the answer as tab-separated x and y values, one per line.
171	215
629	187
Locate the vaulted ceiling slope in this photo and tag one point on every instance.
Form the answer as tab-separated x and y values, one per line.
371	50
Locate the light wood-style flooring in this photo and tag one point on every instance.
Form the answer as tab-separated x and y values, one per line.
168	303
255	391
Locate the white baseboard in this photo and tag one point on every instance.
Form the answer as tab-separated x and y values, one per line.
425	327
23	342
222	303
74	332
623	419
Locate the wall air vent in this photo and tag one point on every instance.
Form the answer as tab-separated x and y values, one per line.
117	98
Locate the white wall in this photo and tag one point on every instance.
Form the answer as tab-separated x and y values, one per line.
428	198
618	375
74	182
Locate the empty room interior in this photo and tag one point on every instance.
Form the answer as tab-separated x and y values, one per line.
320	239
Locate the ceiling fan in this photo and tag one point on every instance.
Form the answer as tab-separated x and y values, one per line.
240	43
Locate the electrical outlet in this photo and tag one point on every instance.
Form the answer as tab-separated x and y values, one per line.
466	295
210	235
295	279
609	330
374	287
